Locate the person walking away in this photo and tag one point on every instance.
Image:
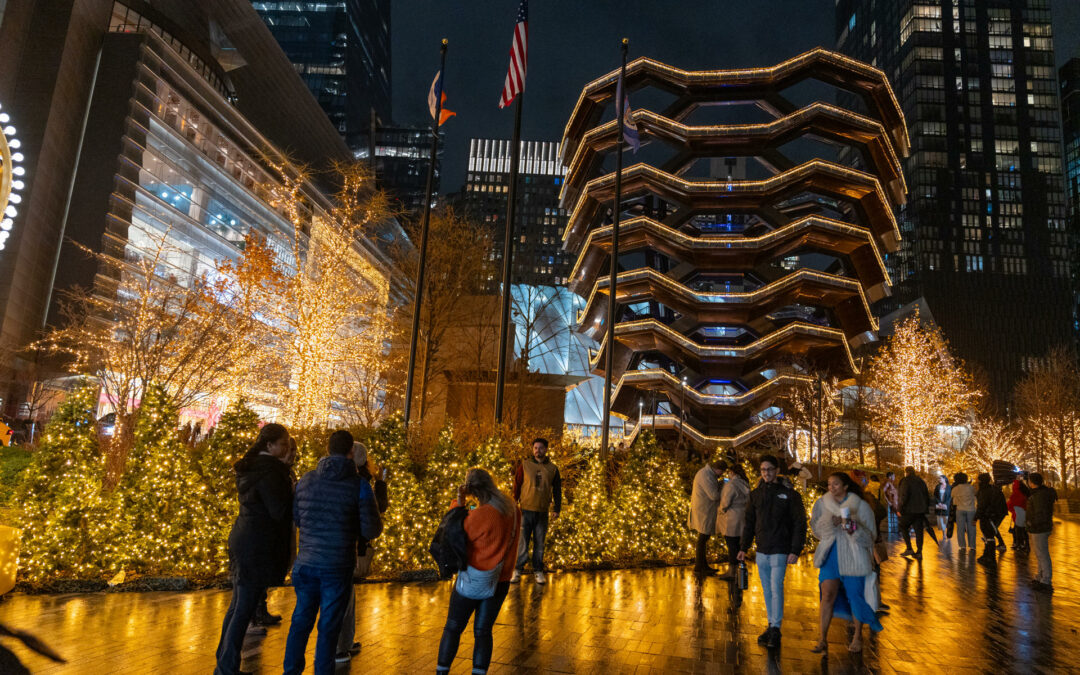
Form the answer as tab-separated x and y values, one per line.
491	533
990	509
776	518
844	524
1018	509
914	502
537	488
1040	524
963	497
333	509
259	543
704	507
347	647
733	499
942	503
891	499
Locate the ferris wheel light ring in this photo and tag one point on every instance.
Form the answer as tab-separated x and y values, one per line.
11	173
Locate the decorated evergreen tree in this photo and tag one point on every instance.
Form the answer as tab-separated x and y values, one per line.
65	513
408	523
580	536
213	462
165	525
492	456
650	506
445	472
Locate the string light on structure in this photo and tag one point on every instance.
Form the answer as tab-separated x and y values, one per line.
11	177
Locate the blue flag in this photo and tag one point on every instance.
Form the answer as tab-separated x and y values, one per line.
622	107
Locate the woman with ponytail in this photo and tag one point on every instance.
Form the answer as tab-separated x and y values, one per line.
259	543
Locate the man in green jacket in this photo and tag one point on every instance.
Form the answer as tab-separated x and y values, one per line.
537	488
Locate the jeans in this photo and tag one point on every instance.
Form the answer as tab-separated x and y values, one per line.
348	625
772	567
534	526
1041	543
965	529
891	522
245	600
909	520
457	617
700	561
322	592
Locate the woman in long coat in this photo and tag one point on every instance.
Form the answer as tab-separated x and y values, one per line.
260	540
732	511
844	525
704	501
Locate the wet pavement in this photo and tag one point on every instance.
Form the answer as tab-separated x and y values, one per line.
949	614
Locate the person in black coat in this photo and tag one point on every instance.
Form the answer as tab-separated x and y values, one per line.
259	543
990	510
914	499
776	518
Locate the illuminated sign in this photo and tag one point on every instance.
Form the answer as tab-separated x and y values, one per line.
11	177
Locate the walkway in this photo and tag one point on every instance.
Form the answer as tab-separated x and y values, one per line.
949	615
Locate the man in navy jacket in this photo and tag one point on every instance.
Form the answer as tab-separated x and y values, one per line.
333	507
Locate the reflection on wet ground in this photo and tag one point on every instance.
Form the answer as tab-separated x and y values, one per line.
949	614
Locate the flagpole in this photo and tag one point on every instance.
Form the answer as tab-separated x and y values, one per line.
609	363
424	229
508	256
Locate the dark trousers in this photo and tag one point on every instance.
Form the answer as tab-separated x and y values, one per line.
534	526
916	520
990	534
322	593
457	617
700	563
732	549
245	599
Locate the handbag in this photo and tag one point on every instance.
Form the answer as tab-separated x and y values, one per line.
952	522
477	584
871	593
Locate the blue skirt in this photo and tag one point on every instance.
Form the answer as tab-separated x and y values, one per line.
850	601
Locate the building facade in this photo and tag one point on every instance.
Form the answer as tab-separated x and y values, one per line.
538	256
342	51
152	133
402	155
718	317
984	231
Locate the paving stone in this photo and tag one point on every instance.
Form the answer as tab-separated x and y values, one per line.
949	615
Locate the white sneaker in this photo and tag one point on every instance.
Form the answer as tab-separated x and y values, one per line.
540	578
516	578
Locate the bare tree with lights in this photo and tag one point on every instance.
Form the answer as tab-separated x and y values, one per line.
921	386
1048	400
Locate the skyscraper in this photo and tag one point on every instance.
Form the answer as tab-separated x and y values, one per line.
1069	77
984	233
342	52
538	256
401	163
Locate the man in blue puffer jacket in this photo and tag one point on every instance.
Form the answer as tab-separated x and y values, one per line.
333	506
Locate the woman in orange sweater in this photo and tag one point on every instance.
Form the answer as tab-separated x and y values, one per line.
491	532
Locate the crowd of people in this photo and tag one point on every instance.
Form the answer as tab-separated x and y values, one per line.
321	527
851	522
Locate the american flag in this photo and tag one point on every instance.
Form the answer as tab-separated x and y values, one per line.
519	50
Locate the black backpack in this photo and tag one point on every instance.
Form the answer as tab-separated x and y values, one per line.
449	546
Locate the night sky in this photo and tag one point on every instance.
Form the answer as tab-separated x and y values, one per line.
571	42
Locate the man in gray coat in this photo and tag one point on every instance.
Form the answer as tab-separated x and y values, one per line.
704	502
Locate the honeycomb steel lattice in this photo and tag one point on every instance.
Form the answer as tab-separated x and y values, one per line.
713	319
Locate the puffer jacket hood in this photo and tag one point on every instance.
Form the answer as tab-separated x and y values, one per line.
251	469
336	467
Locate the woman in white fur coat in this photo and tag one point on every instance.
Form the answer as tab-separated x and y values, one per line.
844	524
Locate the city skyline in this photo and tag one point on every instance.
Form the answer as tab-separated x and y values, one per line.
480	42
